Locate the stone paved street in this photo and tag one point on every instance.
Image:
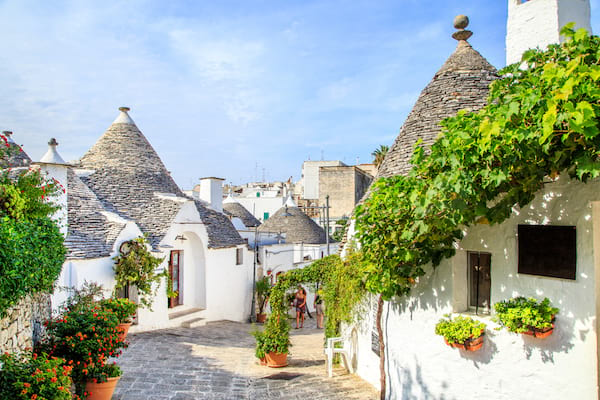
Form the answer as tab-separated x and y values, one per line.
217	362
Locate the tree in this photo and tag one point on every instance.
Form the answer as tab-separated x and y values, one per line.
379	154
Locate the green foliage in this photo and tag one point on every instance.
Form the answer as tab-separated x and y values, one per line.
379	154
459	329
30	375
522	314
86	336
124	309
263	290
341	285
102	373
338	235
540	121
31	245
342	290
31	258
138	268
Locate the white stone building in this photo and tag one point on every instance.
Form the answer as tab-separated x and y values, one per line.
120	190
419	365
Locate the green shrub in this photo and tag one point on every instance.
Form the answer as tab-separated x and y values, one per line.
31	375
124	309
31	258
85	336
263	289
522	314
459	329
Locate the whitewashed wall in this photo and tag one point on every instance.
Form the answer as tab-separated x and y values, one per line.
538	23
75	273
229	286
509	366
257	206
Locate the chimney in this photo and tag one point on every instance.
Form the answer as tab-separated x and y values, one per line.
211	191
56	168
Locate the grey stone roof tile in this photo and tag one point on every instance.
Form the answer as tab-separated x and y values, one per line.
91	234
239	211
298	227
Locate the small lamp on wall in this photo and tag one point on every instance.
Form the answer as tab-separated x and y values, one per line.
180	237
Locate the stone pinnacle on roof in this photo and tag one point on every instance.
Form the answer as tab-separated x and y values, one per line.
460	23
124	117
52	156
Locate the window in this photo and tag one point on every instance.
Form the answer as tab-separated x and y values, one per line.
239	256
265	216
480	281
548	250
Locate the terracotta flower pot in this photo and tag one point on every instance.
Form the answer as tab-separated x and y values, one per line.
123	329
101	391
261	318
540	333
472	344
276	360
263	361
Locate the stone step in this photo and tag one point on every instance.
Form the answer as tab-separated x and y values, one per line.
183	313
193	323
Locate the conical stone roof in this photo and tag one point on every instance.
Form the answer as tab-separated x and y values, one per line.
236	210
16	156
462	83
128	178
297	226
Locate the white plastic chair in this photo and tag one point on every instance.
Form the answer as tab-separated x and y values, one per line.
331	350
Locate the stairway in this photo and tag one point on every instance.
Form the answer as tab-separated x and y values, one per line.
186	317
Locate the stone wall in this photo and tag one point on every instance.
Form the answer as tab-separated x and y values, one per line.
24	323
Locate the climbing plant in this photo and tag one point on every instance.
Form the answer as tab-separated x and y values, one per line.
342	287
31	245
136	266
541	121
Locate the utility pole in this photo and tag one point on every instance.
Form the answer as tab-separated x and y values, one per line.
253	306
327	222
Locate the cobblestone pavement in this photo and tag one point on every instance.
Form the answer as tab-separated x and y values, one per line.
217	362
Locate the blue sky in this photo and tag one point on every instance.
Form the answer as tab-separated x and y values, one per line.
230	88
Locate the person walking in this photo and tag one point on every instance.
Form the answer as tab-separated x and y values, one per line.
319	309
300	302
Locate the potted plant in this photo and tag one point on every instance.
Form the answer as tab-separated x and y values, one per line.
85	336
263	289
272	344
102	381
30	375
527	316
461	332
124	309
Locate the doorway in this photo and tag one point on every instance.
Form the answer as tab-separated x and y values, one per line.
175	264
